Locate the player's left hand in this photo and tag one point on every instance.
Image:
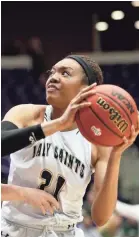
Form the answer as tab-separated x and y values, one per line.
127	142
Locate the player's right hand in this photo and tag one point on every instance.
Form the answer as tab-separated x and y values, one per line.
40	199
78	102
127	142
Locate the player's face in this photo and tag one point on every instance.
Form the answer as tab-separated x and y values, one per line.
64	82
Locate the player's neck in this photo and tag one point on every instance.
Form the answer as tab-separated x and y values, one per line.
57	113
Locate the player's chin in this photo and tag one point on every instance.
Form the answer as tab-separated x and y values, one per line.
52	98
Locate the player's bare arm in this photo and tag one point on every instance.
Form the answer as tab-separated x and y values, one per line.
25	115
34	197
101	198
107	166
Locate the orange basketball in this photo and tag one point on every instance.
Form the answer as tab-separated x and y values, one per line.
109	118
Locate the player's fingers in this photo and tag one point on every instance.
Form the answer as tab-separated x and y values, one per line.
83	96
53	201
133	132
43	209
54	208
88	88
133	136
124	145
138	122
130	141
48	207
83	105
125	140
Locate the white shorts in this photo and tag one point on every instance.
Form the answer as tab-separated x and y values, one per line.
10	229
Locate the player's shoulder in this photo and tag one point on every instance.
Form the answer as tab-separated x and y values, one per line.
100	152
104	151
22	113
25	108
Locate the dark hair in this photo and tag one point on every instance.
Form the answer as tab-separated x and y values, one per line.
95	67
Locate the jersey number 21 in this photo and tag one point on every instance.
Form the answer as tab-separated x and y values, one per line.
47	178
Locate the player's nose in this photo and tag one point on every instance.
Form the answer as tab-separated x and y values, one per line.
54	79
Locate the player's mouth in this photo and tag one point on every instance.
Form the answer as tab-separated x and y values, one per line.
52	87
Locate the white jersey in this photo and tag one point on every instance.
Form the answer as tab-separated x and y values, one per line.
59	164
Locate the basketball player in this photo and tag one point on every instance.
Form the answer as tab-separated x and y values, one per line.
62	162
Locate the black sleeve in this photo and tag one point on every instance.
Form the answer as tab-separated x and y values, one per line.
14	138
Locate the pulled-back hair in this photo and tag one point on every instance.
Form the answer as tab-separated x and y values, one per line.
95	67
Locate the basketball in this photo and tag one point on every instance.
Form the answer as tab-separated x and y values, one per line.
109	118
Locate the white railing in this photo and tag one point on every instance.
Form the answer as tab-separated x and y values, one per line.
18	62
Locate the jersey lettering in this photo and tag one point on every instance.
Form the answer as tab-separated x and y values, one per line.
61	155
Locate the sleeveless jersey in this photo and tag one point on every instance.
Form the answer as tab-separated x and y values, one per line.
60	164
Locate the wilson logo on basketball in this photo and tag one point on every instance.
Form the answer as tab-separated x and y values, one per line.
114	115
96	131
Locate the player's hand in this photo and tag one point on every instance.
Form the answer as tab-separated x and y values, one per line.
78	102
40	199
127	142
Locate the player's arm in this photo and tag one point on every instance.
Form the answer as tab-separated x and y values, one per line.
27	115
11	193
21	117
105	185
106	178
34	197
13	139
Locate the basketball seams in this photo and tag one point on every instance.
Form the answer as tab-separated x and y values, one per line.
116	102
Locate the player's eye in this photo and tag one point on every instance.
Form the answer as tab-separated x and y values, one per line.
65	74
48	73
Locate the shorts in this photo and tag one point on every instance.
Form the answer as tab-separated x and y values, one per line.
11	229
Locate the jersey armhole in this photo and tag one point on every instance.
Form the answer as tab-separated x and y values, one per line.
89	158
